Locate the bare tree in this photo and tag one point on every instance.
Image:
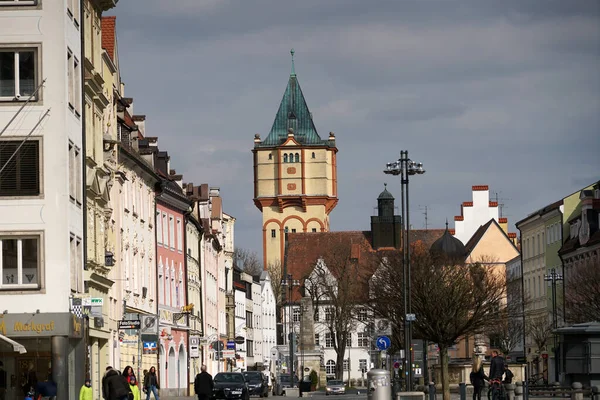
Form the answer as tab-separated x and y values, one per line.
507	332
338	284
582	294
539	328
247	261
276	274
451	300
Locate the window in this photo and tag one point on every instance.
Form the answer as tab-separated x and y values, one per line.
77	86
273	233
18	2
159	237
249	348
171	232
362	365
270	156
328	340
349	340
70	79
330	367
293	230
297	157
296	315
362	314
346	364
363	339
285	158
314	229
316	315
249	319
17	73
179	236
291	156
75	173
329	314
317	339
313	155
20	261
21	163
76	268
73	10
165	229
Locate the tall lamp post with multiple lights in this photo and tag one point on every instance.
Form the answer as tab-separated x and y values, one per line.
554	277
405	167
290	283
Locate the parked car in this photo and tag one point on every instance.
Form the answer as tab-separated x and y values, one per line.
283	382
230	385
335	387
258	384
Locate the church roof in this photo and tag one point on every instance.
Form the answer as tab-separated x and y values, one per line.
385	194
293	113
449	246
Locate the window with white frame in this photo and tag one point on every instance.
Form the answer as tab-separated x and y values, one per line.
73	11
296	314
75	174
161	283
329	314
330	367
21	162
20	261
346	364
159	233
328	340
362	365
363	339
349	340
18	73
317	339
316	315
19	3
362	314
171	232
172	299
179	235
76	267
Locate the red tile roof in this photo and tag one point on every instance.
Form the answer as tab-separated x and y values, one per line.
503	220
493	204
108	35
480	187
467	204
512	235
305	249
459	218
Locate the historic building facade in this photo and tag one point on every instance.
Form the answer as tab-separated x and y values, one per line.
193	240
268	320
42	197
295	174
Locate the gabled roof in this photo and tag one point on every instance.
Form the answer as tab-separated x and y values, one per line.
479	233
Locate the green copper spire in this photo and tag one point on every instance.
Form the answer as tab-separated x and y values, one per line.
293	114
293	68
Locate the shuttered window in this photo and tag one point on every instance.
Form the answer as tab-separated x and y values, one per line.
21	175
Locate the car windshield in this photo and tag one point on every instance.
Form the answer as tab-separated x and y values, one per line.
334	383
253	376
224	377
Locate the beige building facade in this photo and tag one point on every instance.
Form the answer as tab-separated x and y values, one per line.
295	174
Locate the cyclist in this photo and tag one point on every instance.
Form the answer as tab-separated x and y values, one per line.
497	367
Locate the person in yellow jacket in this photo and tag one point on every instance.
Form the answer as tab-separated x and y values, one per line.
86	391
134	388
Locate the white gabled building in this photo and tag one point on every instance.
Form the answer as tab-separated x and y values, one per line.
268	320
257	324
42	203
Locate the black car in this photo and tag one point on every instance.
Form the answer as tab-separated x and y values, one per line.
230	385
257	383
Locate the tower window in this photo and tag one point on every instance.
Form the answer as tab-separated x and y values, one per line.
273	233
314	229
297	159
293	230
285	159
291	157
270	156
313	155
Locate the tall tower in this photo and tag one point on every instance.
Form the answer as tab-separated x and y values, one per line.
295	174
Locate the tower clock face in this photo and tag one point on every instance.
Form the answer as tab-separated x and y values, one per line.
382	325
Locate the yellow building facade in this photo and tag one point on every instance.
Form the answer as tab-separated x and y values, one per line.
295	174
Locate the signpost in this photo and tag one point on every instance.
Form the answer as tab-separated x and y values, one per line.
383	343
230	345
130	324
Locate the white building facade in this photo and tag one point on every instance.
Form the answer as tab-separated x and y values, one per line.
240	320
268	321
41	190
257	324
475	213
193	241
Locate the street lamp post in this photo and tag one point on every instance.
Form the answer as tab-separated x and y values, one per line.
405	167
554	277
290	283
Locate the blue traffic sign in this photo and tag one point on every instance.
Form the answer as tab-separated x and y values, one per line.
383	342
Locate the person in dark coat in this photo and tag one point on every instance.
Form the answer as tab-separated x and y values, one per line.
477	378
496	366
508	375
203	384
115	386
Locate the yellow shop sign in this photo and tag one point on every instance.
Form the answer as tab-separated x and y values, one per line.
33	327
48	324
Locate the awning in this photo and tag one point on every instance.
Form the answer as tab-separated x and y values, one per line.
16	346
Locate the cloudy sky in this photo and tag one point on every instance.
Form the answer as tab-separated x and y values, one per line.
504	93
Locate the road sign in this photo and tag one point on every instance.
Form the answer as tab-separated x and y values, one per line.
230	345
383	342
217	345
130	324
228	353
194	346
396	365
411	317
521	360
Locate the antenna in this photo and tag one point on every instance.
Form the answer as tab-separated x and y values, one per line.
426	214
501	204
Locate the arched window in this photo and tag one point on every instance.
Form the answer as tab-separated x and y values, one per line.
297	157
330	367
270	156
161	282
313	155
291	156
285	159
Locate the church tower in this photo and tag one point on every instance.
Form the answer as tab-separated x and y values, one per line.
295	174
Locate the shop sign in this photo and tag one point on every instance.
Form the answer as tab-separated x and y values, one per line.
130	324
150	348
41	325
194	346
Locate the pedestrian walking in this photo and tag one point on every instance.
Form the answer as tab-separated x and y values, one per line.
477	378
86	391
203	384
115	386
151	384
134	388
128	373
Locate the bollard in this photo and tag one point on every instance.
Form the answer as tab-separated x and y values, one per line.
576	393
595	393
462	390
519	391
510	391
431	391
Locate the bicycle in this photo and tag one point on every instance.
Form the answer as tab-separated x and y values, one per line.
496	390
